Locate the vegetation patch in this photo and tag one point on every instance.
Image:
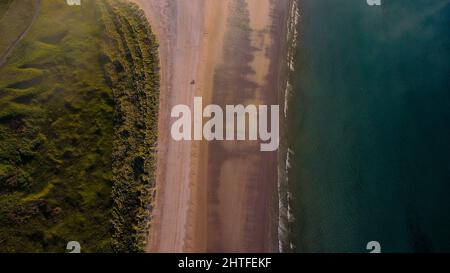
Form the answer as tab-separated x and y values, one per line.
78	125
4	5
15	17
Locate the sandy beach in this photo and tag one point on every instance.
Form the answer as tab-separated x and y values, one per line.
216	196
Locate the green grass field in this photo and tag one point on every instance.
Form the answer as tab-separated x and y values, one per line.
78	111
4	5
15	17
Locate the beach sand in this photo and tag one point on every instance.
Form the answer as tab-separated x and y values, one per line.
216	196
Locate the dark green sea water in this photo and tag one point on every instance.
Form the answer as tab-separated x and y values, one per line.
369	125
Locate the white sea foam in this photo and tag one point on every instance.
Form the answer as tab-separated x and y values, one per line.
284	196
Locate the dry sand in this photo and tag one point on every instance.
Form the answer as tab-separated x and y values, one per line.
216	196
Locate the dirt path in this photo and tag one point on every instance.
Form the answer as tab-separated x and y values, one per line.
9	50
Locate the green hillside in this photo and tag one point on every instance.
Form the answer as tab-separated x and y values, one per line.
78	111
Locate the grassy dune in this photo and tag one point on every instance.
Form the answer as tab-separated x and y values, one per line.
133	73
78	108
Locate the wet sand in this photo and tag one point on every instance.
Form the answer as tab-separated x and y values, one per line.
216	196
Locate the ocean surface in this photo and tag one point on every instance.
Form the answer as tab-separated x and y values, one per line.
369	126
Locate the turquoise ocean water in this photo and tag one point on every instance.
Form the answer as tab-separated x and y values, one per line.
369	126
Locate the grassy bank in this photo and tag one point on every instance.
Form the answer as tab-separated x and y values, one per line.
78	108
132	72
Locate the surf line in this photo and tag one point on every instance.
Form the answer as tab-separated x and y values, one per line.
189	124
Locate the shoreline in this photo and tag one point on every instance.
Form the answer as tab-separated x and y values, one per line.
211	196
285	153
